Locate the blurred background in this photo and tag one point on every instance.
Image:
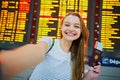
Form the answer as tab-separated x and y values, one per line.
26	21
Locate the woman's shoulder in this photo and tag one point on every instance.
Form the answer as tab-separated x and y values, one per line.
45	38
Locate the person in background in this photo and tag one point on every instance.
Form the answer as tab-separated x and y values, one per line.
64	61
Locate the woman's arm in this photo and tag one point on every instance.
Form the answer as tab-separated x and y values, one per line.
22	58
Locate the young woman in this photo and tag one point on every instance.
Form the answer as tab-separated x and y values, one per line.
65	61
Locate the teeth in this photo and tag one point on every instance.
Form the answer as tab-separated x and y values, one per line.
70	34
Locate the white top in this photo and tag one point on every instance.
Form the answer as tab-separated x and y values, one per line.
55	66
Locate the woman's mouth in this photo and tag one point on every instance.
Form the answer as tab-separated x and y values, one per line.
70	33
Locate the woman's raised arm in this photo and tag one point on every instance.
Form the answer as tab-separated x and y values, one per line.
22	58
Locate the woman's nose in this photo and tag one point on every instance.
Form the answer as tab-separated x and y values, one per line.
71	28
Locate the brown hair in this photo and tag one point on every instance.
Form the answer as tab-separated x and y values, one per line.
78	49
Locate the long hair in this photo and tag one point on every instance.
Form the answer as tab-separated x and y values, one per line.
78	49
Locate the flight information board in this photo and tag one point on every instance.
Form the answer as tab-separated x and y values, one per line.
14	22
110	32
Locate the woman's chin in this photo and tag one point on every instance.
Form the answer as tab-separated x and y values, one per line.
71	38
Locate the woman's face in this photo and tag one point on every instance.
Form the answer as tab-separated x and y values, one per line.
71	28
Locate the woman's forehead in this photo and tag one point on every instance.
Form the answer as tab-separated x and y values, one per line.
72	18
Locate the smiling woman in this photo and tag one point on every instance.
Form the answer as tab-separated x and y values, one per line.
65	59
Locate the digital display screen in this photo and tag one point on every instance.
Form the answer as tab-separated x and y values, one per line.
13	20
110	30
14	17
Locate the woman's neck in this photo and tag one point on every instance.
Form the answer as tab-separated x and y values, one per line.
65	45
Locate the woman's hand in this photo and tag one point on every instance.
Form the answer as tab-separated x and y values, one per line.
94	72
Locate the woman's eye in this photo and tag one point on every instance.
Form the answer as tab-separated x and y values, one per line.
67	25
77	26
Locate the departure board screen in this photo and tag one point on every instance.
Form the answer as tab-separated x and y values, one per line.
110	31
14	16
